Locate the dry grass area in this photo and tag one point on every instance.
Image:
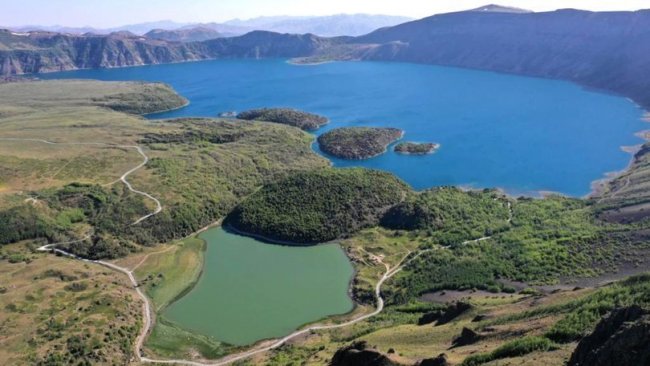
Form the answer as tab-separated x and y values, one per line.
57	307
65	111
412	342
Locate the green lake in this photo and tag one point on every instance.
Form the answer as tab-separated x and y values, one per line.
250	290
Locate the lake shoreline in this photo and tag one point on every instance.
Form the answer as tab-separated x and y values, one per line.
598	186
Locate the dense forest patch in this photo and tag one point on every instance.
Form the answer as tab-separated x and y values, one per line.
318	206
449	215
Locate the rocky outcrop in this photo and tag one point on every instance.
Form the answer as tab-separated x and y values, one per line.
454	311
445	316
441	360
358	354
620	339
428	318
466	337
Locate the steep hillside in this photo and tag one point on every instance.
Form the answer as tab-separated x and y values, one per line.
23	53
608	50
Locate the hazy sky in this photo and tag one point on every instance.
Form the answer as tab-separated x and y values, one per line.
107	13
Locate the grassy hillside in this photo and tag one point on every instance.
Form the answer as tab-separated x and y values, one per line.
546	240
318	206
56	311
127	97
199	168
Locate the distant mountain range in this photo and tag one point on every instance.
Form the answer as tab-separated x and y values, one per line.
138	29
603	50
195	34
326	26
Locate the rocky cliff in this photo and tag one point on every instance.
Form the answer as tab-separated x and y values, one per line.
620	339
34	52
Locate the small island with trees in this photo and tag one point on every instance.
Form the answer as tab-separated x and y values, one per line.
358	143
416	148
292	117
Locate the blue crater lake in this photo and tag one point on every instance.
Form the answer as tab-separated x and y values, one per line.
521	134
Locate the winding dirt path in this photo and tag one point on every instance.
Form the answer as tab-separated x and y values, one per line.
146	307
122	178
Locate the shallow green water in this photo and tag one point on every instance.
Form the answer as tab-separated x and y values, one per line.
251	291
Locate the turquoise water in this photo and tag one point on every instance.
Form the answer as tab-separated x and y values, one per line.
250	290
517	133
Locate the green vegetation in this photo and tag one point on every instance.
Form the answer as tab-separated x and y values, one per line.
584	314
519	347
109	212
168	273
199	168
358	143
318	206
449	215
168	340
57	311
415	148
23	222
303	120
547	239
201	181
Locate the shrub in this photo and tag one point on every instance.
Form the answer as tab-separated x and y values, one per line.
515	348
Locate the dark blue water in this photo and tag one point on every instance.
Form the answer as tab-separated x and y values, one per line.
517	133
